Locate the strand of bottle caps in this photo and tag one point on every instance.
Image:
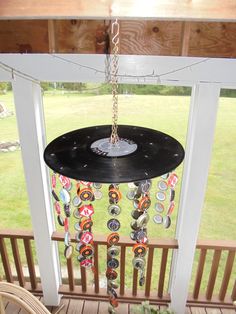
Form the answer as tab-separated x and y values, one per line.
64	198
113	251
167	183
139	194
83	226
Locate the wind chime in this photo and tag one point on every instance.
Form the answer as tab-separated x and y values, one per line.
113	155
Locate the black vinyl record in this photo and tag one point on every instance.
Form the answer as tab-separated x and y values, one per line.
75	155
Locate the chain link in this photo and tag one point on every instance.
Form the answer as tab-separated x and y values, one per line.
108	69
114	81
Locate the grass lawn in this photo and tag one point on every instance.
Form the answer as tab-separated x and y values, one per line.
169	114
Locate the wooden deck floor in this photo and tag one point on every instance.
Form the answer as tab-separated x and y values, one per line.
75	306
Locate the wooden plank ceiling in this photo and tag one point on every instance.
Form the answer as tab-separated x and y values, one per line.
200	28
204	10
168	38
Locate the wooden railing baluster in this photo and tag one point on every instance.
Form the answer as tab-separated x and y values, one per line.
149	271
135	282
16	255
198	279
70	271
227	273
233	295
83	279
30	262
122	269
108	257
96	269
162	272
213	273
5	261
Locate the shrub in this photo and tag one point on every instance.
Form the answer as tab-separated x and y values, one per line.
146	308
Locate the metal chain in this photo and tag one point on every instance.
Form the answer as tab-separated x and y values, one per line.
108	69
115	30
107	52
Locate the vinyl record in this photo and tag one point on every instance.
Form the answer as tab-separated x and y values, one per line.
87	155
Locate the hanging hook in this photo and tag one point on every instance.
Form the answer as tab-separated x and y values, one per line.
115	30
12	74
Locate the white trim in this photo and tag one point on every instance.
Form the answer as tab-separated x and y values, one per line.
46	67
202	122
29	111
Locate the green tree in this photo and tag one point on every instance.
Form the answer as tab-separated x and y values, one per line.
45	85
228	93
74	86
3	87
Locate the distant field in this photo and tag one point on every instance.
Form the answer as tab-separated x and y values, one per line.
166	113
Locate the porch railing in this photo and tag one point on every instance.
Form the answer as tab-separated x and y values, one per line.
16	238
214	262
161	247
221	270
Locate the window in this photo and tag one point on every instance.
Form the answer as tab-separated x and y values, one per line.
218	215
14	207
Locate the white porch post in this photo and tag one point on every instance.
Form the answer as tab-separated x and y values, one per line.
29	111
202	120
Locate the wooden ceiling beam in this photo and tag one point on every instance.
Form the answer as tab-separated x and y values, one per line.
186	32
195	10
52	47
165	38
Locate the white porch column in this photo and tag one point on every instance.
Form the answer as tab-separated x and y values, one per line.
202	120
29	112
